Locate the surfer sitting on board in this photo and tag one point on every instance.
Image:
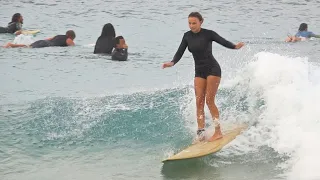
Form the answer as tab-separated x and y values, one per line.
59	40
15	26
105	42
302	34
207	70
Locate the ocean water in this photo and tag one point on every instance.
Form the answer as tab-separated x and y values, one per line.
66	113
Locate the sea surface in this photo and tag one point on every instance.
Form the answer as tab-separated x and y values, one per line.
66	113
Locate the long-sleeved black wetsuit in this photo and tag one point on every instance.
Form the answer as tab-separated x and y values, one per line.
200	45
11	28
120	54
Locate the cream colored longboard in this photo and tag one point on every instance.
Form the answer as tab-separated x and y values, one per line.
30	31
205	148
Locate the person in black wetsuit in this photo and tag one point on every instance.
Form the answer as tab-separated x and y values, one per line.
15	26
59	40
120	52
207	70
105	42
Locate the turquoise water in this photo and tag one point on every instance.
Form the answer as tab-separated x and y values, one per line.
66	113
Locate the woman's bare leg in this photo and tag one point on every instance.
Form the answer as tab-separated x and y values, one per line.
200	90
211	91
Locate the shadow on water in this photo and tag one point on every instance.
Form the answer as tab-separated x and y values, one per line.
188	169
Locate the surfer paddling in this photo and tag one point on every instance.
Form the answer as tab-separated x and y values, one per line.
59	40
302	34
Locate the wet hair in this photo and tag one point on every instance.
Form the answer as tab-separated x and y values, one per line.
108	30
15	17
303	27
71	34
196	15
117	40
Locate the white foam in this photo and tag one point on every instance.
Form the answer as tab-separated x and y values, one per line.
290	112
282	95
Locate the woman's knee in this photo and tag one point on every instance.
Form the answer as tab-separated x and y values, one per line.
210	101
200	102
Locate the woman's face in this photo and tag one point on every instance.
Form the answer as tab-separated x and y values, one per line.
122	44
21	19
194	24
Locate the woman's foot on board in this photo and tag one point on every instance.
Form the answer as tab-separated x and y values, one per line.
217	135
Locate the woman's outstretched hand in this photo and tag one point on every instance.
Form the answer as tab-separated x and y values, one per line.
239	45
167	64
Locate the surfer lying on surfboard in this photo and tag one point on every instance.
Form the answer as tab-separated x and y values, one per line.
59	40
207	70
302	34
15	26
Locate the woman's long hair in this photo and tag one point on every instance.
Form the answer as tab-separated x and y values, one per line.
108	31
303	27
15	17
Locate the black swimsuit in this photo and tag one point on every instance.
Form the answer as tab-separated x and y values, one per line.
59	40
200	45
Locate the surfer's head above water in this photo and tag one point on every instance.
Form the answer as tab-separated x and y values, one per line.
108	31
120	52
303	27
71	34
120	42
17	18
195	20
